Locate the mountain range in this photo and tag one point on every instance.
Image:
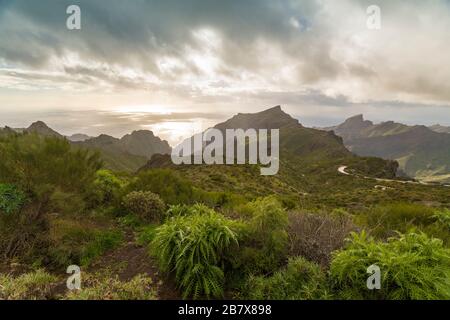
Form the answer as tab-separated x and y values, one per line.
309	162
129	153
422	152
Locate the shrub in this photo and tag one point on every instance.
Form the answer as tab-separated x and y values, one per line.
195	248
385	220
186	210
111	288
30	286
50	172
24	234
264	239
316	235
79	243
146	205
107	187
413	266
11	199
167	184
299	280
443	218
38	165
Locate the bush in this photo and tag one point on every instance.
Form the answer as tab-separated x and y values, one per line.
146	205
167	184
11	199
316	235
264	239
195	248
413	266
24	234
79	242
383	221
300	280
30	286
111	288
50	173
107	188
443	218
38	165
186	210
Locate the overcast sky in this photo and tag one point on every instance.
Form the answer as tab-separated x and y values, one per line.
180	66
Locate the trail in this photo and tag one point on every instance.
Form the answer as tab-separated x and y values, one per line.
131	259
342	170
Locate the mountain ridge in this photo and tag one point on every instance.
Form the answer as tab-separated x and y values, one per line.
421	152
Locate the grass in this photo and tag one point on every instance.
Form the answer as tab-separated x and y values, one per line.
101	287
35	285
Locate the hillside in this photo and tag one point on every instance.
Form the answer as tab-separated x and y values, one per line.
440	129
78	137
421	152
309	160
129	153
126	154
42	129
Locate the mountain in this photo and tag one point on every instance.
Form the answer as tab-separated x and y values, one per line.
78	137
128	153
144	143
440	129
421	152
309	162
42	129
6	131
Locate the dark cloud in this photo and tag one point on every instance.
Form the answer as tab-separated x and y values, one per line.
260	52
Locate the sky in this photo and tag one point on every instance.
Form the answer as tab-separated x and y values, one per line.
179	67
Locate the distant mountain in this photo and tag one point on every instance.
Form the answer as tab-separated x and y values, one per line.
129	153
440	129
126	154
421	152
6	131
78	137
42	129
144	143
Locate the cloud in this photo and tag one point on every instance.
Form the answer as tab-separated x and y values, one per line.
228	54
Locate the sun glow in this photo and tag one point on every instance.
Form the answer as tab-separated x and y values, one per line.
176	131
156	109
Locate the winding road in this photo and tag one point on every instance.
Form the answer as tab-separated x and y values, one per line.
342	170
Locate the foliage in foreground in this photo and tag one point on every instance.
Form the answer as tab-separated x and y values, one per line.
111	288
413	266
145	205
29	286
194	247
300	280
264	237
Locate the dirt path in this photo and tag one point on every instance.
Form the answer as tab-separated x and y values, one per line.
131	259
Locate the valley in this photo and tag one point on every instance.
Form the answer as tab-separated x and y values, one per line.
116	208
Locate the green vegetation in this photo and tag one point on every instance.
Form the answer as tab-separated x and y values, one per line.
217	231
299	280
414	266
31	286
11	199
194	248
146	205
101	287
